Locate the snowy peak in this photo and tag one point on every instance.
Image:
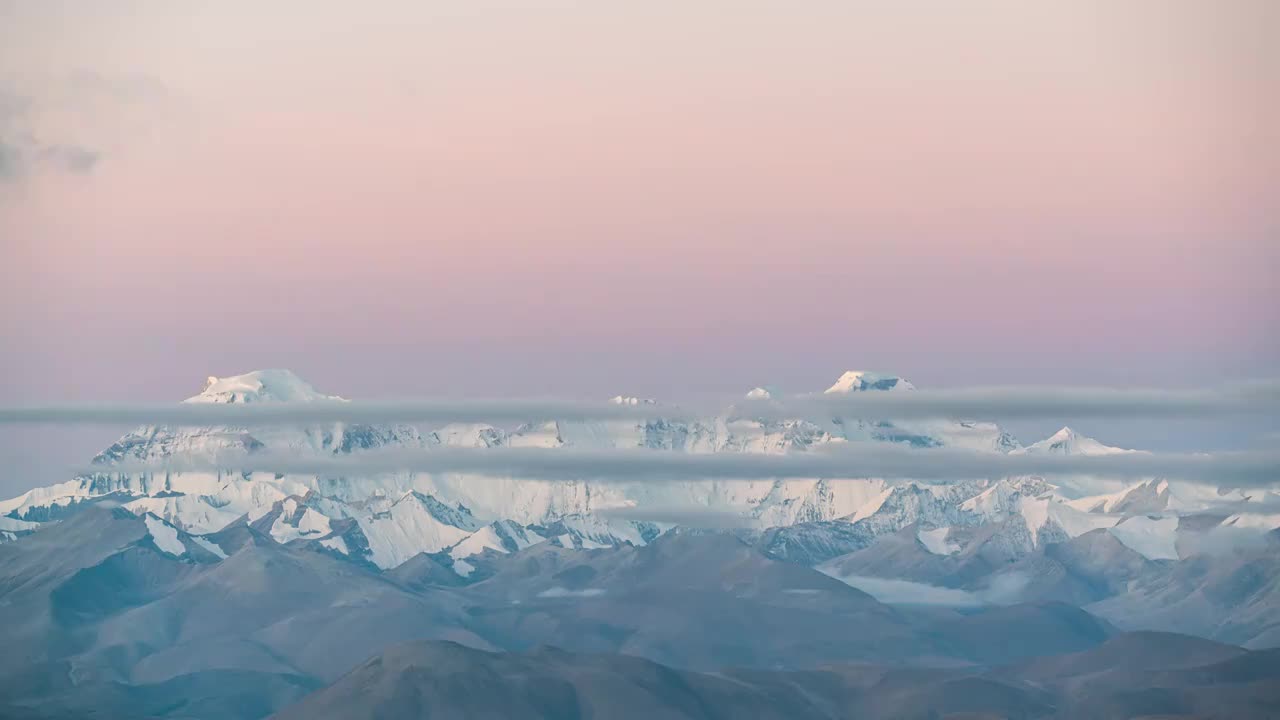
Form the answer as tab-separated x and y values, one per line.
292	519
476	435
1148	496
858	380
1063	438
459	517
260	386
503	536
631	400
164	535
1068	442
759	393
416	523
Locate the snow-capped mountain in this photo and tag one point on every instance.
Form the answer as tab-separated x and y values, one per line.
260	386
1068	442
859	381
388	518
968	434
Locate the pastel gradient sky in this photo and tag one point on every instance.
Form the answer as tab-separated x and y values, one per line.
445	198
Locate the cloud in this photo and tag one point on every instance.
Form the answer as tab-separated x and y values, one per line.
1260	399
21	153
427	412
34	117
845	460
17	159
1004	590
906	592
560	592
1223	540
10	160
1018	403
88	86
71	158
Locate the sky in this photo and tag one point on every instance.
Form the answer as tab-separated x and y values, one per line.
656	199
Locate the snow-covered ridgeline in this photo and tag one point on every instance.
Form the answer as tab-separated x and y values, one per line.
391	517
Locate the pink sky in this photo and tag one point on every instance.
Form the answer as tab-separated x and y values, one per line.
568	197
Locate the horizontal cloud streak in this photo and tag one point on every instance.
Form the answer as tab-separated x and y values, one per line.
997	403
1006	589
267	414
870	460
1010	403
906	592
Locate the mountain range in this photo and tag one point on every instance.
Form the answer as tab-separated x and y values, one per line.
236	594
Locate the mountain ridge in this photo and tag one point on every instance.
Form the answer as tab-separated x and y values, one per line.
367	519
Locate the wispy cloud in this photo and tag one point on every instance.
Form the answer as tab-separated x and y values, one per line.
560	592
1005	589
71	158
852	460
29	143
24	155
10	160
22	152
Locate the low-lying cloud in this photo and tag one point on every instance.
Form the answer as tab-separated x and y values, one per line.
324	412
561	592
1256	400
1004	590
1224	540
1021	403
843	460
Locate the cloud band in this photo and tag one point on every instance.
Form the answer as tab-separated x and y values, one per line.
861	460
998	403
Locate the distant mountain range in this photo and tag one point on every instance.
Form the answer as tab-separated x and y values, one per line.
236	594
109	615
393	517
1133	675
